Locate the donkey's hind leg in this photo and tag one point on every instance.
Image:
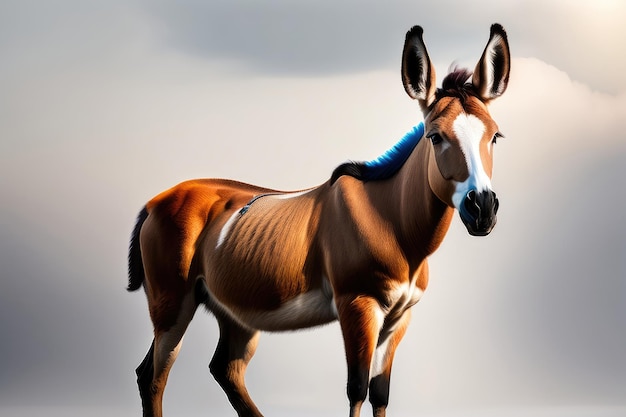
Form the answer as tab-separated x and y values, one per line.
228	366
152	373
145	372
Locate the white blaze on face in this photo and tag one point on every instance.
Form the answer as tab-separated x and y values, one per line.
469	130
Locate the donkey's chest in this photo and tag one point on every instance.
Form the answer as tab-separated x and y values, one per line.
404	296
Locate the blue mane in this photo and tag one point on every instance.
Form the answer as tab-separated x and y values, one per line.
392	160
385	165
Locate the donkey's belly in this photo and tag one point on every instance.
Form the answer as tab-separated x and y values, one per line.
312	308
309	309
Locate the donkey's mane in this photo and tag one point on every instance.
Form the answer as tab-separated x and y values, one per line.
455	84
387	164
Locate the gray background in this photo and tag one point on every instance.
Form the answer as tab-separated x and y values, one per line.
105	104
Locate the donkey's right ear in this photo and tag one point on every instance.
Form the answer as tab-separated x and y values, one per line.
418	73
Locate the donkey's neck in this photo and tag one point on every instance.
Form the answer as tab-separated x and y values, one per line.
419	217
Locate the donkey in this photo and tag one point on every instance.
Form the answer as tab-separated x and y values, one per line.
353	249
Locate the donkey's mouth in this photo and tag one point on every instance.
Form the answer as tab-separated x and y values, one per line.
480	230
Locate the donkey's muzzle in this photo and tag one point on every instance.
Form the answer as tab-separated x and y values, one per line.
479	212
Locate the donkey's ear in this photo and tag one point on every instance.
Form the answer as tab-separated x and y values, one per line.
491	75
418	73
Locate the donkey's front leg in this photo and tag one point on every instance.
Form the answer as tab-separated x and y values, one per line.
388	341
361	319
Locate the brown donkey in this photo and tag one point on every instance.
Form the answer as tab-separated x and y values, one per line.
353	249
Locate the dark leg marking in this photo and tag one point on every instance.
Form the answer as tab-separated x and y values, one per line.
145	373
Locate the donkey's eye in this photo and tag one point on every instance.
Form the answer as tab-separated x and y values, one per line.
435	138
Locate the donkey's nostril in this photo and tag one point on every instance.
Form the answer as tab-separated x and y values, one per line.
471	204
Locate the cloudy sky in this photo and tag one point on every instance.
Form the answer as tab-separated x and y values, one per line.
104	104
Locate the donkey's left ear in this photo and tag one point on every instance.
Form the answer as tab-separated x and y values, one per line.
491	75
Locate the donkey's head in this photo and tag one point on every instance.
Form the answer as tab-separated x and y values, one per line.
459	127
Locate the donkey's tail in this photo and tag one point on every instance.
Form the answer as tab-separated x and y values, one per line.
135	264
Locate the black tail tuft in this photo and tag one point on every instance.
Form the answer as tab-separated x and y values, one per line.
135	264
